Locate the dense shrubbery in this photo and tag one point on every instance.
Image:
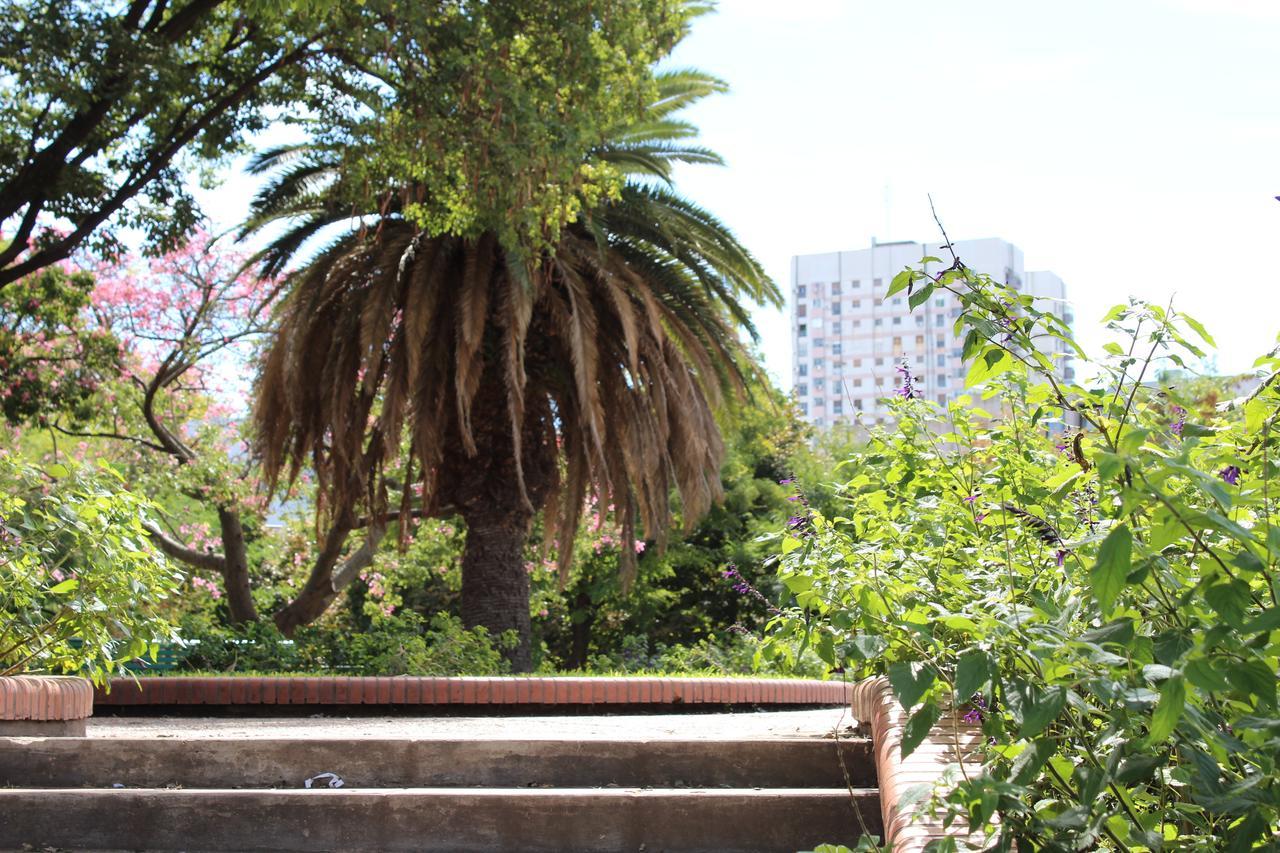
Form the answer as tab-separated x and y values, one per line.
80	585
1089	570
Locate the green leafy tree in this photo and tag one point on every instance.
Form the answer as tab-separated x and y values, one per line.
515	382
80	585
485	105
1088	577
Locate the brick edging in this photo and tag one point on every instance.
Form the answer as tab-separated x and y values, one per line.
908	827
45	698
423	690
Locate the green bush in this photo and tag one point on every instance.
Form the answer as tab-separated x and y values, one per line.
80	584
1088	570
400	644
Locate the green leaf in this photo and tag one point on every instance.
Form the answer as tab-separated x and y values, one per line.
1114	563
1199	329
972	671
66	586
1119	632
1173	696
900	282
1040	708
920	297
1253	678
1205	675
918	726
910	680
1269	620
1229	599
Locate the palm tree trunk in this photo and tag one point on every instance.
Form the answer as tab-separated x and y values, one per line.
495	585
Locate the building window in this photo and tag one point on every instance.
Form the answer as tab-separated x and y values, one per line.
879	362
802	348
817	290
836	349
802	310
942	398
837	407
955	312
942	380
835	327
940	302
819	403
879	301
804	409
800	291
819	342
803	370
876	283
897	344
857	382
802	390
939	320
919	319
835	307
897	321
856	283
857	404
857	323
919	341
802	330
857	362
879	321
941	342
942	359
897	300
835	288
819	363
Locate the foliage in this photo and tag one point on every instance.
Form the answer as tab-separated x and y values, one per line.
51	359
80	586
106	102
400	644
1089	572
487	106
498	389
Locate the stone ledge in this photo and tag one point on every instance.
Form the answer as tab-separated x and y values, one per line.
416	690
44	705
908	827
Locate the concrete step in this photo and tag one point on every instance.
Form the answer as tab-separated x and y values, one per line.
435	763
437	819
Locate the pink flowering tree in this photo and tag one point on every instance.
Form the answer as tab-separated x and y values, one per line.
186	324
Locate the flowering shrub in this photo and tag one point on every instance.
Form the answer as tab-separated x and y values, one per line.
1088	571
79	580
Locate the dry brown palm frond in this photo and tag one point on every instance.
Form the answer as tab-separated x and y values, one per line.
600	381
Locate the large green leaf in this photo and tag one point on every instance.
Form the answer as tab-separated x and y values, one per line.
1114	562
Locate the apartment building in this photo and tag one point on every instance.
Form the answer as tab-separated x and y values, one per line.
848	339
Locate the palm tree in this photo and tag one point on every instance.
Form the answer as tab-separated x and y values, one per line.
497	386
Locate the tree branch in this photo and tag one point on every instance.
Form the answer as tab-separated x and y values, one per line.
178	551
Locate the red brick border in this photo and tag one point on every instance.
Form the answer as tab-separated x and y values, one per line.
908	828
413	690
45	698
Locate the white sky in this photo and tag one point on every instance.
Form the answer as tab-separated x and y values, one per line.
1131	146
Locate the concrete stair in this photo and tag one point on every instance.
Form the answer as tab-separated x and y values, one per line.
760	794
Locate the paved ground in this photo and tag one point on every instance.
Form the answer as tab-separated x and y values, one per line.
761	724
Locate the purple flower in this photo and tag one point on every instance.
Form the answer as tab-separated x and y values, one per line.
786	481
973	497
1060	557
973	716
1230	475
1179	419
980	516
907	390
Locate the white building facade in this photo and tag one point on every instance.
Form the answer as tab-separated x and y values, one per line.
848	339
